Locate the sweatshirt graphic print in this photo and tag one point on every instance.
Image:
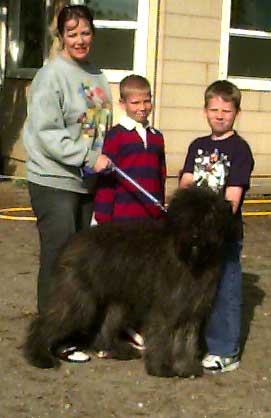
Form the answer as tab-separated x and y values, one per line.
98	117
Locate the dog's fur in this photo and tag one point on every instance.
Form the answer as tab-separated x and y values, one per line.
158	277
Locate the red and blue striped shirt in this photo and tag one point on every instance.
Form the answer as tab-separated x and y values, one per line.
118	200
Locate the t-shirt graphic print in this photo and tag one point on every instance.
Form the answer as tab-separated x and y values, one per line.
211	169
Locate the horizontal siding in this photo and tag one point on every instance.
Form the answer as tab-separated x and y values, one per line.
208	8
188	61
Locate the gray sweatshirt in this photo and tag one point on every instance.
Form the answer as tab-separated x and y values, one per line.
69	113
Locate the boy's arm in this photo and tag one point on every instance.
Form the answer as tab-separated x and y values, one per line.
239	177
234	195
187	180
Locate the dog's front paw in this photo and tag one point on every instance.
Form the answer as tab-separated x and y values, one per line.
157	367
186	369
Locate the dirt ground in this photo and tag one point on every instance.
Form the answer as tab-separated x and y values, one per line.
112	389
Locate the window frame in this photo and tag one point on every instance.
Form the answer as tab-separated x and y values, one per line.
244	83
13	33
140	44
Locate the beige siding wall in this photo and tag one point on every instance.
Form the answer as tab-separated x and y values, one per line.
254	123
188	60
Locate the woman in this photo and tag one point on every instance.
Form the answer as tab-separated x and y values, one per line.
69	112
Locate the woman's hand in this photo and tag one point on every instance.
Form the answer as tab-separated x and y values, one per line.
101	163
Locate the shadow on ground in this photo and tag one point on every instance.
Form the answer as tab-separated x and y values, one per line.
252	296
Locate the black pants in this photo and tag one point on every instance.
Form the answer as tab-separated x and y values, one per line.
59	213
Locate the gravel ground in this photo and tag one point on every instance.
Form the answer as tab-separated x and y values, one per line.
108	388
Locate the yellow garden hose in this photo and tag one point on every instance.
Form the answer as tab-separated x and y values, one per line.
16	218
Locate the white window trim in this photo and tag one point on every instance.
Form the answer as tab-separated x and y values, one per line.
244	83
140	45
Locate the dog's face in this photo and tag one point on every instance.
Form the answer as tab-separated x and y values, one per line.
199	218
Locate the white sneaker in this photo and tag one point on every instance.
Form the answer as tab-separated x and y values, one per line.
72	354
217	364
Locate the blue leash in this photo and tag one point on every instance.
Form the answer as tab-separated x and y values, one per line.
157	202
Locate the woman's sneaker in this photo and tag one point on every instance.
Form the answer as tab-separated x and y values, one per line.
216	364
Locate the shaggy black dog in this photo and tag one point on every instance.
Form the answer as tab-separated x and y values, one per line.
158	277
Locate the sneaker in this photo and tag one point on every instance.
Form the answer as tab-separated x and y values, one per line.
135	339
72	354
216	364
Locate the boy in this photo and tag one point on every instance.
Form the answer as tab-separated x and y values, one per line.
223	161
138	149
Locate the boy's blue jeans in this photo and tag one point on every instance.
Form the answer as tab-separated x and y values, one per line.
223	328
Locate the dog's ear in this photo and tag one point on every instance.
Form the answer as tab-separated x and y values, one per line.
187	248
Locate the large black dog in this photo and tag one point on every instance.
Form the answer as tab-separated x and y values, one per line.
158	277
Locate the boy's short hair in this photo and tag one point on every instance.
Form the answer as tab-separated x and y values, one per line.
133	84
224	89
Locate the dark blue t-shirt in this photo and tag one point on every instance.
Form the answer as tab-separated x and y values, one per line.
221	163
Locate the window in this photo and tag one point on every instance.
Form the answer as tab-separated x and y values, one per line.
245	56
120	45
27	37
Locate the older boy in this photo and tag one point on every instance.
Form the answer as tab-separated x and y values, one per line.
138	149
223	160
